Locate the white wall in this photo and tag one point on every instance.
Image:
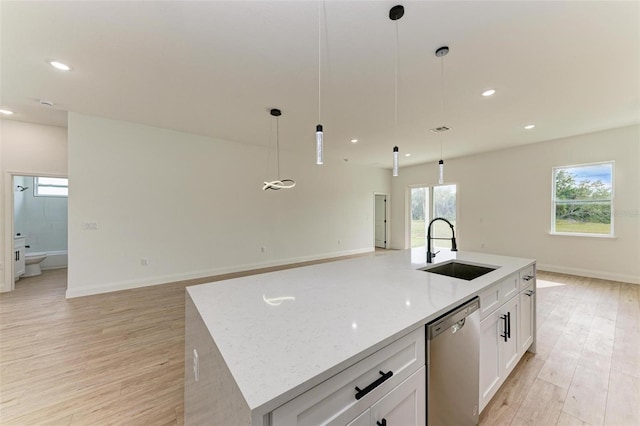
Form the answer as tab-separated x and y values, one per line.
194	207
25	149
504	202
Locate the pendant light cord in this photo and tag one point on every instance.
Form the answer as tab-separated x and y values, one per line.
396	85
278	147
319	60
441	99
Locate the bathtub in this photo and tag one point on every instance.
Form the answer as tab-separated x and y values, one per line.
55	260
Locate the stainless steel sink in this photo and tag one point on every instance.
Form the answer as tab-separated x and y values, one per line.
455	269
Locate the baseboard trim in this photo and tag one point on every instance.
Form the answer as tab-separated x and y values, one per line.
589	273
166	279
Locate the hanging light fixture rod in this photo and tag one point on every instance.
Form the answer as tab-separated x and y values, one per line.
395	13
319	129
441	52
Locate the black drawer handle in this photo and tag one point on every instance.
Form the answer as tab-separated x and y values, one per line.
509	325
383	378
382	423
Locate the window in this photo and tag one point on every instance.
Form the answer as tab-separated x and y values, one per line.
50	187
583	199
429	202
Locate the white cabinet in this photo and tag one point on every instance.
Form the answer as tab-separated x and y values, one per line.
527	317
18	257
499	350
343	397
507	331
404	406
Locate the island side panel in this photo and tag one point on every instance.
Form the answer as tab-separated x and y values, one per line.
214	398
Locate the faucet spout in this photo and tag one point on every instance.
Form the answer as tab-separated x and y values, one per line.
454	245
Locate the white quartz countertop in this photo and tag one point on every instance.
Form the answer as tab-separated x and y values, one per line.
282	333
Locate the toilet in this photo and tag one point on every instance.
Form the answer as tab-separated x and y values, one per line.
32	263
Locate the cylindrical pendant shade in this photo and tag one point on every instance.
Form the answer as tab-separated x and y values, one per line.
395	161
441	167
319	145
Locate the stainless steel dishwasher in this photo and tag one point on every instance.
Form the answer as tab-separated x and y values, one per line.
453	345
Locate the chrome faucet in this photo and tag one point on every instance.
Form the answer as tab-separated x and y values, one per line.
454	246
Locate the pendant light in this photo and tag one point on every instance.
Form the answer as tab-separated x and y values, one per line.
441	52
395	13
319	132
280	183
395	161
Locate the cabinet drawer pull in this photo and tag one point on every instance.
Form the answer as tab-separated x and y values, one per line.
382	423
530	293
527	277
384	376
507	324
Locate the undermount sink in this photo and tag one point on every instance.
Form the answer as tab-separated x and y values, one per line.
464	271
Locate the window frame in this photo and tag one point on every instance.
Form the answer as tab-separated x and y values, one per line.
554	202
37	185
429	208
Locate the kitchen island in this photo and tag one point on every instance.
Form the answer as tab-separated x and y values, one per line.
255	343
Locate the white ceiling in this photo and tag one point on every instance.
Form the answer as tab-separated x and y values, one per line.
215	68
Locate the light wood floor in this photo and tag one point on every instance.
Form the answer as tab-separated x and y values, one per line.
118	358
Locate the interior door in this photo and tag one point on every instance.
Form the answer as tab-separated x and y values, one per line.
381	221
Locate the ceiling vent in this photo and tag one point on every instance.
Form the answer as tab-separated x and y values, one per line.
440	129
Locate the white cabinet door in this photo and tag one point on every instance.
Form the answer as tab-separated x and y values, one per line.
499	351
490	368
363	419
509	348
527	319
405	405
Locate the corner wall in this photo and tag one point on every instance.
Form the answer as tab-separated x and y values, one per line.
192	206
25	149
504	202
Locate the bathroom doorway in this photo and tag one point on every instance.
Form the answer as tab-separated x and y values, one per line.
40	224
380	221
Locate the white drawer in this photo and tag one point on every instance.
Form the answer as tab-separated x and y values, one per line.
334	401
527	276
489	300
496	295
509	287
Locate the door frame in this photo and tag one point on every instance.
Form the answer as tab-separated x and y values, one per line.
9	280
387	212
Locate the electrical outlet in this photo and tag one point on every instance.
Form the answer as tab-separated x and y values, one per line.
339	242
144	261
263	249
90	226
196	365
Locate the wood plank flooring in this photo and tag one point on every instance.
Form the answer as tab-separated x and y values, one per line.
117	358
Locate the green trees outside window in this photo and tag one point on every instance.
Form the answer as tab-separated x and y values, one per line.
583	199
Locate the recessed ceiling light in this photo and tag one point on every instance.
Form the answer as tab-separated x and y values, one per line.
5	112
59	65
407	155
529	126
489	92
354	140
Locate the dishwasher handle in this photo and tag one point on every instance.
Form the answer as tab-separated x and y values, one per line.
455	317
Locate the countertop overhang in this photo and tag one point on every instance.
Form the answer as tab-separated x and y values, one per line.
282	333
